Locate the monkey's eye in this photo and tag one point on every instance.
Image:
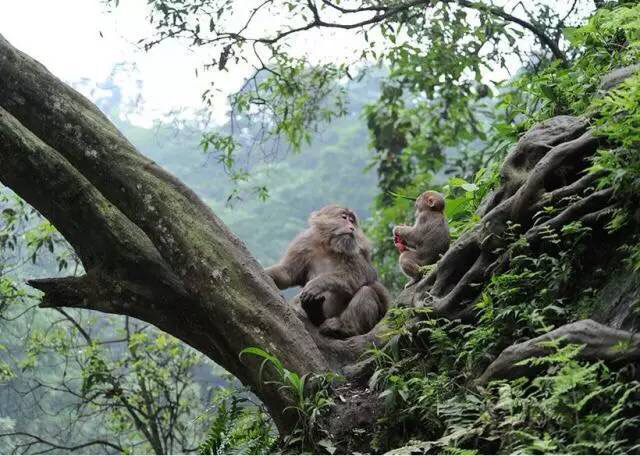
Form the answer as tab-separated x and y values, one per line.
345	216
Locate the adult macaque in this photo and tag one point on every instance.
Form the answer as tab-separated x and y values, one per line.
424	242
331	260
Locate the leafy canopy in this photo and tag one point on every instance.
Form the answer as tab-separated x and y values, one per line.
442	57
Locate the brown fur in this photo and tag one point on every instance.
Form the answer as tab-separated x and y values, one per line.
427	239
331	260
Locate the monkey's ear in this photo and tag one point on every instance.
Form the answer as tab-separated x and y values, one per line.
431	202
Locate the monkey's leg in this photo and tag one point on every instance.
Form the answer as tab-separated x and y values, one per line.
361	314
410	266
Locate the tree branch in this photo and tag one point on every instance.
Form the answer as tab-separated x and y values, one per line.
150	235
54	446
361	9
499	12
317	22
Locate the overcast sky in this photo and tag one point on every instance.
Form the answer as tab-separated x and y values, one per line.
80	40
65	35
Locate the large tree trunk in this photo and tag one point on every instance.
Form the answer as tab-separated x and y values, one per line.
150	247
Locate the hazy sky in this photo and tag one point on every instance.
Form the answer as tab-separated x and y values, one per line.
64	35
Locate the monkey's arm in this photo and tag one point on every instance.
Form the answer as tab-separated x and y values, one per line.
291	271
280	276
411	235
332	282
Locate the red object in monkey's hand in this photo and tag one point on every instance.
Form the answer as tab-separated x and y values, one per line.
400	244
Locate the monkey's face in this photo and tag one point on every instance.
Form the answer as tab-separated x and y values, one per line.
430	201
338	227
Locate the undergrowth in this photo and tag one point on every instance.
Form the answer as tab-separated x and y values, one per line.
426	374
240	426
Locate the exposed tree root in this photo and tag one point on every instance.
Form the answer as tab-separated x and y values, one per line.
547	167
600	343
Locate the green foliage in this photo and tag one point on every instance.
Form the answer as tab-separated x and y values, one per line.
426	372
141	394
239	427
291	102
530	298
632	258
463	198
311	399
5	370
435	116
607	41
132	386
442	59
331	167
576	408
619	122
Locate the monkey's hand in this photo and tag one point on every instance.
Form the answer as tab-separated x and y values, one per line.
311	301
400	232
280	276
400	243
312	294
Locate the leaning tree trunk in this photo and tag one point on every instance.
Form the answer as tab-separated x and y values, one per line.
153	250
150	247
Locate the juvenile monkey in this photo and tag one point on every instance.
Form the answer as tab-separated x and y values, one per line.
331	260
426	240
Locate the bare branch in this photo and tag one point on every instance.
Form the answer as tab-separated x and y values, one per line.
78	326
318	22
55	446
361	9
499	12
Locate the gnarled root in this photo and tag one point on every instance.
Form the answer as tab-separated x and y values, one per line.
600	343
547	167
